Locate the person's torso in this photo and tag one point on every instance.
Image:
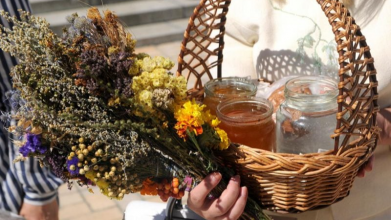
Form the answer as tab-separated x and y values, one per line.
291	37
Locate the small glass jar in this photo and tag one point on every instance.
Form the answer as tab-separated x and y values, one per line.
307	117
248	121
220	89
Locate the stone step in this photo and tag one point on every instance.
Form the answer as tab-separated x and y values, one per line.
157	33
132	13
42	6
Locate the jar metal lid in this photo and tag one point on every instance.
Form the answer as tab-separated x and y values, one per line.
227	87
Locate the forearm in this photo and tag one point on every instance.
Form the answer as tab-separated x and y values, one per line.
384	123
48	211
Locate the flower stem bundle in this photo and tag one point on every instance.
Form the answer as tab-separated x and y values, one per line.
98	113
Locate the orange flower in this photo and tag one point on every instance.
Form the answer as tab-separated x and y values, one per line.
181	128
189	116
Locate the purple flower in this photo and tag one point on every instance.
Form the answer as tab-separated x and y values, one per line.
35	139
24	150
86	181
32	145
56	162
74	162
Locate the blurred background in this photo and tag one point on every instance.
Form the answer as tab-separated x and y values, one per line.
158	27
150	21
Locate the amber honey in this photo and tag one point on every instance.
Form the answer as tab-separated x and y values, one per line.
248	121
220	89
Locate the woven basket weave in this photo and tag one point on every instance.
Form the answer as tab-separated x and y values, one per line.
287	182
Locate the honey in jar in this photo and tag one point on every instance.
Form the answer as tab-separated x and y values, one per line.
220	89
248	121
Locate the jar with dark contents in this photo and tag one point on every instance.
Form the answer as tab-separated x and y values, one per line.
248	121
307	117
220	89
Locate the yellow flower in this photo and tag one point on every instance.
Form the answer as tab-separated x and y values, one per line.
155	75
113	50
148	64
212	120
145	97
102	184
134	70
191	112
113	101
90	175
189	116
215	122
224	144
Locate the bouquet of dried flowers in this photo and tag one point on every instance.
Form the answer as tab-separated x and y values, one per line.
99	114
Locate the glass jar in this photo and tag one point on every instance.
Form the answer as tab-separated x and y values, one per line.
307	117
248	121
220	89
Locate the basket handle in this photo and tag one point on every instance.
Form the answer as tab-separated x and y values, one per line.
357	99
205	30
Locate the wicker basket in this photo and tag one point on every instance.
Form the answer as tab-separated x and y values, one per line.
287	182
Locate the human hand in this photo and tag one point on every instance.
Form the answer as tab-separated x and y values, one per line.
230	205
44	212
366	167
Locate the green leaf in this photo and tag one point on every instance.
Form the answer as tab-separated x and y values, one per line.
193	139
209	138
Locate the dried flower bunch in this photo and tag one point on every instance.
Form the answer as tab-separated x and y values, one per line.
97	113
88	100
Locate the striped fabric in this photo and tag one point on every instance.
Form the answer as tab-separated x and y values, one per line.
24	181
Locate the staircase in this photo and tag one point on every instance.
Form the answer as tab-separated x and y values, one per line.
150	21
